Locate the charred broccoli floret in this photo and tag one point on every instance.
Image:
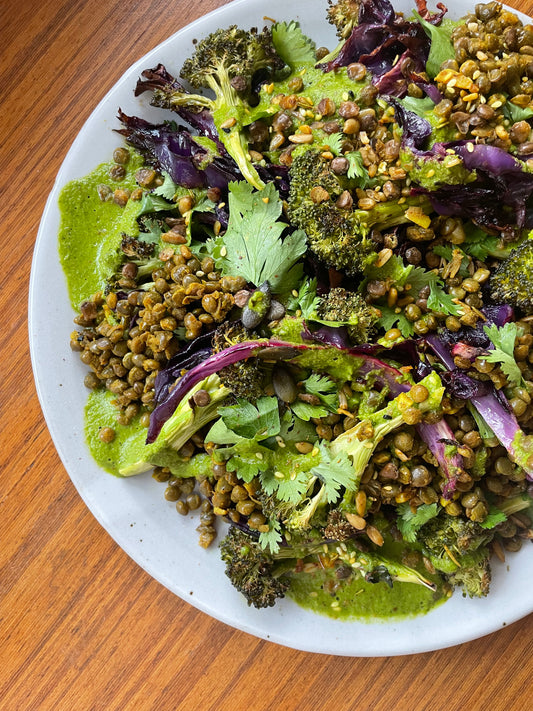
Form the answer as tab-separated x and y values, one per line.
244	378
344	15
135	248
225	62
458	548
447	534
349	308
252	570
337	527
512	283
473	575
339	236
335	235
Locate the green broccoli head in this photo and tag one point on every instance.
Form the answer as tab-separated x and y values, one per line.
512	282
344	15
337	236
229	53
349	307
244	378
445	535
251	569
473	575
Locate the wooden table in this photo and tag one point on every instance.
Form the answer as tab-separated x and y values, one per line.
82	627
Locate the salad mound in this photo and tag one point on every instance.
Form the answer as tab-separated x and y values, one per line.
312	318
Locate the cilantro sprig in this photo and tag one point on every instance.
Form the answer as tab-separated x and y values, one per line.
503	340
253	246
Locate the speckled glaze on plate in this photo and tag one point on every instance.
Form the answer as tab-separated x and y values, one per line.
133	511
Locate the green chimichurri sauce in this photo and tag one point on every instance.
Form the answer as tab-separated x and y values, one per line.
90	230
357	599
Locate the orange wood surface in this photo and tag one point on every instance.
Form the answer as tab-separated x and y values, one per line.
82	627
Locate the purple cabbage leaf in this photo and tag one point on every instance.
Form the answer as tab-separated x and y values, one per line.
495	411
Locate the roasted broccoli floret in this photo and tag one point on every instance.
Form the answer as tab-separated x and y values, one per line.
458	548
335	235
350	309
244	378
338	235
344	15
512	281
447	534
263	577
225	62
136	248
253	571
337	526
473	575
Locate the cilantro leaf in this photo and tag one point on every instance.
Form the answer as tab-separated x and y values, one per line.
247	458
168	189
494	517
252	246
304	411
307	299
289	486
410	522
335	472
357	171
324	388
154	203
516	113
334	143
390	319
151	230
440	301
503	340
272	538
258	421
394	270
292	45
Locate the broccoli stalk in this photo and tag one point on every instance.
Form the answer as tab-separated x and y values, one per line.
225	62
360	441
263	577
186	420
299	519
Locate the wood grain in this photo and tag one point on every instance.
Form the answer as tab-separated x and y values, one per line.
82	627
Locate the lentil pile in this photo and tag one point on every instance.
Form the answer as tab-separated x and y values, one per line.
424	280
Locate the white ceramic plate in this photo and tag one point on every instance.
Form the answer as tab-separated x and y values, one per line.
133	511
